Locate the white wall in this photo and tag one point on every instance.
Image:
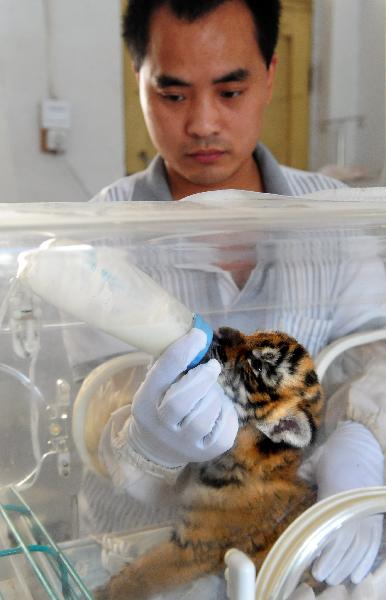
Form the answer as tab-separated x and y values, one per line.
71	49
7	173
349	83
372	83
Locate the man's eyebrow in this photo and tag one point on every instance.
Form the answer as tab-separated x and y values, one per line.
236	75
165	81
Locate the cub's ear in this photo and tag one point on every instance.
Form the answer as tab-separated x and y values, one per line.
230	337
295	430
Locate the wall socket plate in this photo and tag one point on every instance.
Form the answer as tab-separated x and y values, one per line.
55	125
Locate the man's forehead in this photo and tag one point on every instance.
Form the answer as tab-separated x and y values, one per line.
223	20
217	47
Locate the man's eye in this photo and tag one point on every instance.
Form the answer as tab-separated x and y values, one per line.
173	97
231	93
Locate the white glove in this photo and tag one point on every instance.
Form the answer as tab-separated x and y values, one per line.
351	458
305	592
180	419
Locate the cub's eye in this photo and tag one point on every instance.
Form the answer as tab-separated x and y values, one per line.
256	363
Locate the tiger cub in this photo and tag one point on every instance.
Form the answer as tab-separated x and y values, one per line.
249	495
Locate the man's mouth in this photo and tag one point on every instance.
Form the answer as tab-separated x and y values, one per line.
206	156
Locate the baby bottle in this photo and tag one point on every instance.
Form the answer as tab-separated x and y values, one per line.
99	286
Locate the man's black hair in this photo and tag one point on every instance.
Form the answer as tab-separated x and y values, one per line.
136	21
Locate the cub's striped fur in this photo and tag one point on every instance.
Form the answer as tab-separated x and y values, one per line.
248	496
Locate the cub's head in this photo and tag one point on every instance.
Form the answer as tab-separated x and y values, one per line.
272	381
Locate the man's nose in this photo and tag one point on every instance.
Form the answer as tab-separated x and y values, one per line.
203	118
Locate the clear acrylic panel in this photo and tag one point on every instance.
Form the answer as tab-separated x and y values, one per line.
240	260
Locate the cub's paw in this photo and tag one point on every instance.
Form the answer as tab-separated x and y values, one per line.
124	586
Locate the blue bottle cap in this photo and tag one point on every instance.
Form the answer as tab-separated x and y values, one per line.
199	323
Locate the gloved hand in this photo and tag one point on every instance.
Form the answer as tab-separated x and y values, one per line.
351	458
180	419
305	592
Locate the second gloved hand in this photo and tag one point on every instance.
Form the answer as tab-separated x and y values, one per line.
351	458
180	417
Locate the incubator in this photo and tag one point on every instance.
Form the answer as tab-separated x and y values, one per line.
313	266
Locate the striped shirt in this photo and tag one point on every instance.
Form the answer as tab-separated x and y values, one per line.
314	300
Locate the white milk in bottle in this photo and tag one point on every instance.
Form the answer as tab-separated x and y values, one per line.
99	286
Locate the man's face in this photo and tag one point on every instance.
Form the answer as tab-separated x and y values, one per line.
204	87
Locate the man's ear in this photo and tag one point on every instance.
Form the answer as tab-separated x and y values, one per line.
295	430
271	72
135	71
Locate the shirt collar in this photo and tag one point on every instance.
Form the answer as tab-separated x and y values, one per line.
272	175
158	179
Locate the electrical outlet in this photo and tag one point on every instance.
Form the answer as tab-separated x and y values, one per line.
55	125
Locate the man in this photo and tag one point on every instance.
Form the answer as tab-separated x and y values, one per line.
205	72
205	75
